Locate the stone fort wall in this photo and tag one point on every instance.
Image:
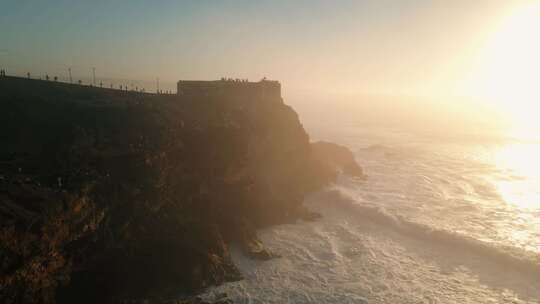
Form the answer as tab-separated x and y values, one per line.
261	89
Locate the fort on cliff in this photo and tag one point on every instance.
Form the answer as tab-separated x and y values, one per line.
262	89
111	196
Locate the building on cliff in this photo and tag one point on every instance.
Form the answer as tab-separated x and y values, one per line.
224	87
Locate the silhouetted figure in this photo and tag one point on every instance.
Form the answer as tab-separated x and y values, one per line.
120	87
101	84
79	82
55	78
47	77
28	75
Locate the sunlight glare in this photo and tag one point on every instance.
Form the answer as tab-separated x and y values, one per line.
508	72
522	187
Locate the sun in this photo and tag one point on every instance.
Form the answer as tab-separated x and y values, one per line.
507	73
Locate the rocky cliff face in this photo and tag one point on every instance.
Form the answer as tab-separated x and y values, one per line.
108	196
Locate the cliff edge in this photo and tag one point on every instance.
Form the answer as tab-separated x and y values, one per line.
107	196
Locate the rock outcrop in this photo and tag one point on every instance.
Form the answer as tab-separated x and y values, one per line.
107	196
334	158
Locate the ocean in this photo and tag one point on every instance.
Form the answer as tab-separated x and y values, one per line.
440	219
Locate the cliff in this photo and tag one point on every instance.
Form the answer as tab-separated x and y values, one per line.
107	196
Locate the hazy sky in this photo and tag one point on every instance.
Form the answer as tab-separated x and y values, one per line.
391	47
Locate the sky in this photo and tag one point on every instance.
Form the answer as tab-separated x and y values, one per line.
331	50
333	46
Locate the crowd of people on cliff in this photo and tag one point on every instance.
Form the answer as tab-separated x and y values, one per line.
238	79
233	79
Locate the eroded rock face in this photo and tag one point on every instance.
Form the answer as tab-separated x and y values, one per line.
38	226
108	196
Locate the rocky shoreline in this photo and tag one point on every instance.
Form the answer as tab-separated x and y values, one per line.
116	197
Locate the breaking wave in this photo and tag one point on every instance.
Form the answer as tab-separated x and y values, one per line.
524	261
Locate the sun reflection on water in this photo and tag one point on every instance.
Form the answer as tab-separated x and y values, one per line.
521	185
